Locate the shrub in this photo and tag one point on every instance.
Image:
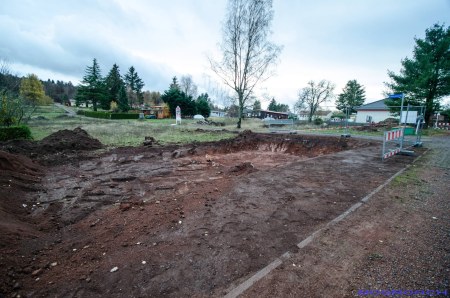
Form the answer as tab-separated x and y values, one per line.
318	121
80	112
124	116
15	132
113	107
96	114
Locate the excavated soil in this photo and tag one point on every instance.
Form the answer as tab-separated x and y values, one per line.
192	220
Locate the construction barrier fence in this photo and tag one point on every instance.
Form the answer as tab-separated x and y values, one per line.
392	143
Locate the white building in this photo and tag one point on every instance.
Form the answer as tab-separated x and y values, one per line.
373	112
324	115
217	114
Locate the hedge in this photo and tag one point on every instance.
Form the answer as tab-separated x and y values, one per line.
93	114
124	116
15	132
107	115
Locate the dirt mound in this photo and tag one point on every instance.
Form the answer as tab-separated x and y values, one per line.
77	139
18	175
60	141
309	146
17	164
246	133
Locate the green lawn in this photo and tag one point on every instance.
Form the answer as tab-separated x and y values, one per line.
116	133
132	132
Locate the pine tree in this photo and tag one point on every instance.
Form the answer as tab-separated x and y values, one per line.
113	84
272	105
257	105
174	84
92	87
353	95
175	97
122	100
134	85
425	78
203	105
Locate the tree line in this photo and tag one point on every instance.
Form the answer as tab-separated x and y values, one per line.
113	91
19	97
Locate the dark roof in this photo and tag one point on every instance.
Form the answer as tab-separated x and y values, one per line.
272	112
378	105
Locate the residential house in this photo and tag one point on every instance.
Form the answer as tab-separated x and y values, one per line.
324	115
217	114
262	114
159	112
373	112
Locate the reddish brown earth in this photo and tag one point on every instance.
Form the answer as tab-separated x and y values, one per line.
192	220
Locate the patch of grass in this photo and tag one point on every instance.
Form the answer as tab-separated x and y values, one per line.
410	176
49	112
338	131
431	132
375	256
128	132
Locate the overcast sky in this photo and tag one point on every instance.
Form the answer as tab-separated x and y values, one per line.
321	39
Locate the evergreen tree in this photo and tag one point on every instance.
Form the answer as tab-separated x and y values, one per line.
174	84
257	105
175	97
8	82
277	107
134	84
272	105
203	105
353	95
60	91
92	87
122	99
425	78
113	84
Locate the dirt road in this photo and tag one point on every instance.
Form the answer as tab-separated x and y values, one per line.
196	220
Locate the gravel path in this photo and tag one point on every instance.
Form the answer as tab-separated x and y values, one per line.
69	111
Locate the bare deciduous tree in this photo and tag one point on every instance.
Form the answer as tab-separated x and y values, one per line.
313	95
188	86
247	53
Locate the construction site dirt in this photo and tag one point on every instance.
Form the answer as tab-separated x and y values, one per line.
77	220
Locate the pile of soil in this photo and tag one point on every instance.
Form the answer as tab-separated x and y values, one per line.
13	165
77	139
292	144
380	126
18	177
210	122
60	142
18	174
368	128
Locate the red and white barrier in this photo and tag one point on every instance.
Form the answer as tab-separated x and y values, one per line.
393	134
391	153
443	125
